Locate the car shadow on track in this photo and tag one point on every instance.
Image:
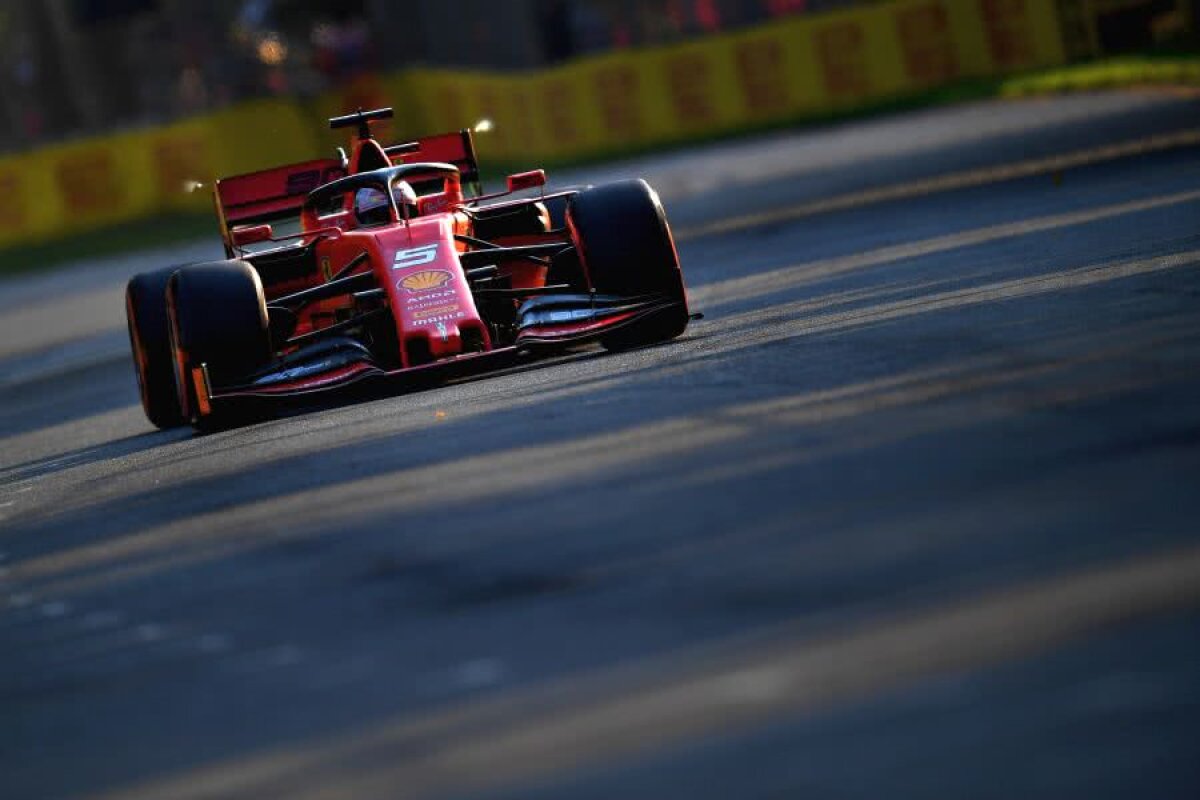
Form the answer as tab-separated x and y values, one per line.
359	394
53	400
84	456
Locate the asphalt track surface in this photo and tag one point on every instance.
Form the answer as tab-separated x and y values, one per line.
911	513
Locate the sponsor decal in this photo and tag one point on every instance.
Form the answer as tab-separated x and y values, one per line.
433	310
559	103
304	181
555	317
443	318
13	202
91	183
760	62
690	80
429	299
842	52
1009	32
298	372
927	43
434	205
326	269
424	281
441	326
617	95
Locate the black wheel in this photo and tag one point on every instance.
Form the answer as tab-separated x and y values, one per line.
219	319
150	342
625	246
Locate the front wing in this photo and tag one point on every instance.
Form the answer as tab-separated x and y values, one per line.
546	324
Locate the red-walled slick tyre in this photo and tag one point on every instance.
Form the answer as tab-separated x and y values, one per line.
625	246
218	320
150	342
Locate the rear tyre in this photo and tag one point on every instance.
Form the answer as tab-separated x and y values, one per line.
219	320
150	343
625	246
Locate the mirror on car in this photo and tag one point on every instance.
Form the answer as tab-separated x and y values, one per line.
252	234
527	180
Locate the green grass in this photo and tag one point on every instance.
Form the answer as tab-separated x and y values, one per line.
1112	73
1177	70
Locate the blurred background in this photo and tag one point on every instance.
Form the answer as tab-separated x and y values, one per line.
115	111
87	65
72	66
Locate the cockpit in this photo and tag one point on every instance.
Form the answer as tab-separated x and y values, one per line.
375	206
383	196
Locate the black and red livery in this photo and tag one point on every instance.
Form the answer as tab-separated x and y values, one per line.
380	265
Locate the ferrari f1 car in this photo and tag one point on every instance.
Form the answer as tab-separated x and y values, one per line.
379	264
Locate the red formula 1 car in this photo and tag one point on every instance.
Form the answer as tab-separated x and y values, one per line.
377	266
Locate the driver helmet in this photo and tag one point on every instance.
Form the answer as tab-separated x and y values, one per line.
371	204
406	199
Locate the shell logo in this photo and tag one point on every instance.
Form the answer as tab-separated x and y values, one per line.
425	280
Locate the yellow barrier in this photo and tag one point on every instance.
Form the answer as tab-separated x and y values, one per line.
25	186
773	73
800	66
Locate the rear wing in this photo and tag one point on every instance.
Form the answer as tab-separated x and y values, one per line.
456	148
273	193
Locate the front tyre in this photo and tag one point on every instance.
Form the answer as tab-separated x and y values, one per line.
219	320
625	247
150	343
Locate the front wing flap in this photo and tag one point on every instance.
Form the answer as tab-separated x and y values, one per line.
550	322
